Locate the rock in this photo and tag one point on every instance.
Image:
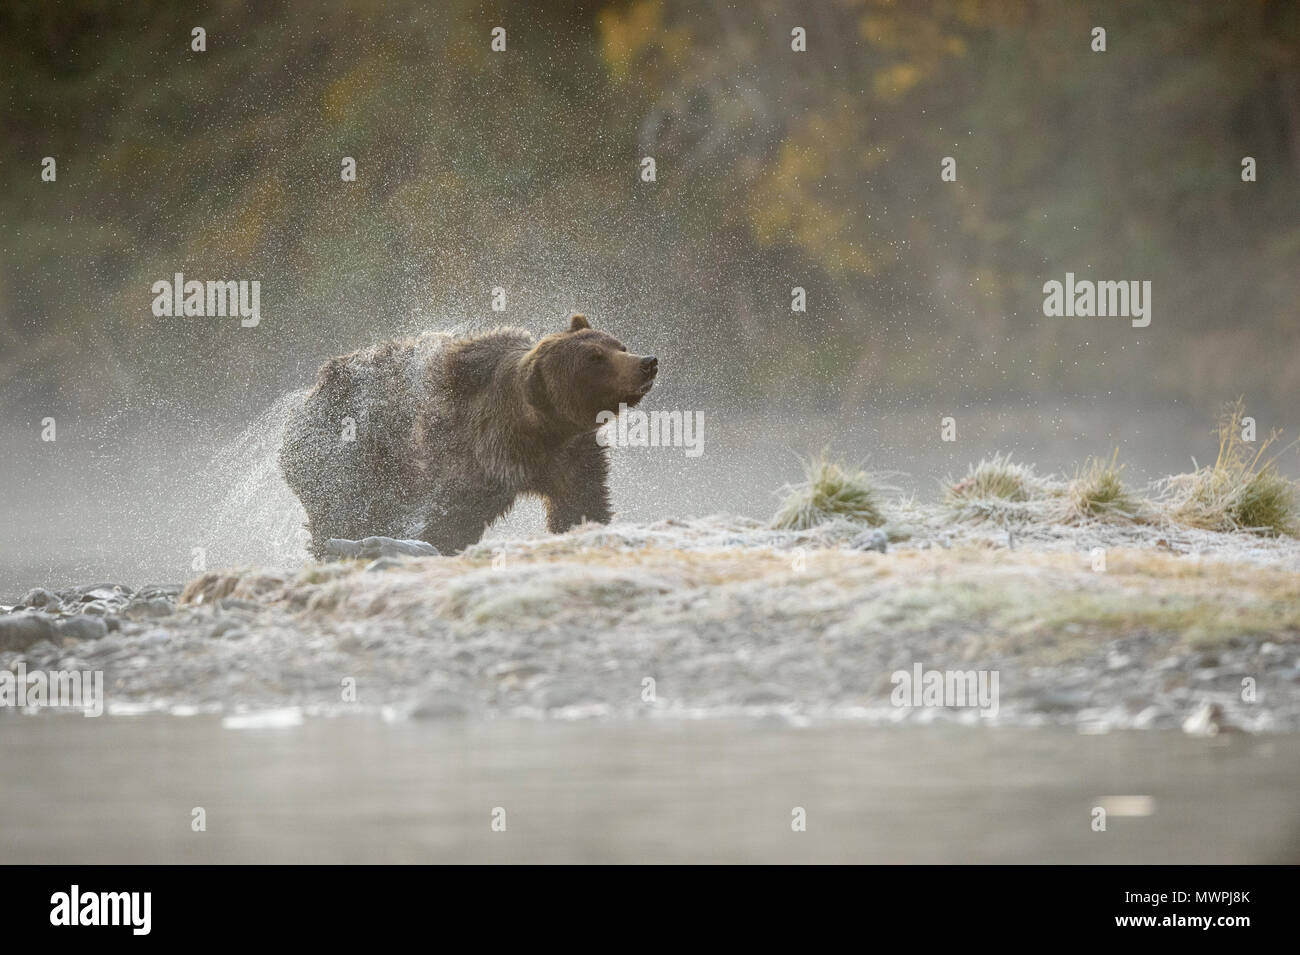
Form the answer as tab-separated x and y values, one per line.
106	594
82	627
105	591
150	607
1062	700
1118	661
235	603
558	694
18	631
1206	720
105	647
39	597
154	638
1150	717
765	694
1098	720
1271	652
42	653
224	625
383	563
372	547
434	708
874	539
439	699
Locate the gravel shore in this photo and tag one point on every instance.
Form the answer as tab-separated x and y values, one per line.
1098	626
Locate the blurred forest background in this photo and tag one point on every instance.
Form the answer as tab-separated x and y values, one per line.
521	169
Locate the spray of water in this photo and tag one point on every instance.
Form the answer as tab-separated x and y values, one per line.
255	518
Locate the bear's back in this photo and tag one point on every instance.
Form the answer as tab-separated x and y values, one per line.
354	427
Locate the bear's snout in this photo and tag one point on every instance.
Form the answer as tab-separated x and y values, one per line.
649	368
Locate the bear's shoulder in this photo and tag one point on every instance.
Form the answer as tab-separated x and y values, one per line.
472	362
396	360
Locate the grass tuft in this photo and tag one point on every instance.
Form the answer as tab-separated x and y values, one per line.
830	492
1242	491
1000	489
1097	492
996	477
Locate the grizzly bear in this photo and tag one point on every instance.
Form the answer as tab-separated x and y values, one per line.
433	437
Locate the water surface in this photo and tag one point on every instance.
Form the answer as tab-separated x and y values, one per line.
359	789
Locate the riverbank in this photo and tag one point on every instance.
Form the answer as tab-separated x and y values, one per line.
1095	626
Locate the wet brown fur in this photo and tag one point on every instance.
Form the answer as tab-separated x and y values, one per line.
449	432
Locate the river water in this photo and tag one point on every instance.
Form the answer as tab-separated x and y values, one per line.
361	789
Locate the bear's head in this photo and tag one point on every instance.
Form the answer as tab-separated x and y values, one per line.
576	374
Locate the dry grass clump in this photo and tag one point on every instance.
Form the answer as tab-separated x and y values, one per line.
996	477
830	492
1241	491
1001	489
1097	492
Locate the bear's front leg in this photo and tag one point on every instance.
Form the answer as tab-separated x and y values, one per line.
579	486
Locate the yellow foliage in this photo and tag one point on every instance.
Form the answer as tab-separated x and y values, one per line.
340	95
624	37
794	199
895	81
265	203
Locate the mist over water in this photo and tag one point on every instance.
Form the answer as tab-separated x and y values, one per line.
131	507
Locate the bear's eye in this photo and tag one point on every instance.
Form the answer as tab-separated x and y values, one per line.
593	357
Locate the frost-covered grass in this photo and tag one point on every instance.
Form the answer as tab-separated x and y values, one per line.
997	477
1242	491
831	492
1097	492
1001	490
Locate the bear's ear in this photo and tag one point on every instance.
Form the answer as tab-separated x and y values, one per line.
578	322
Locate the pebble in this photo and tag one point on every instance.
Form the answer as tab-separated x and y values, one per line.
1149	717
42	652
1057	699
1271	651
1206	720
105	647
765	694
103	593
159	590
82	627
39	597
875	539
371	547
223	625
154	638
20	631
150	607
